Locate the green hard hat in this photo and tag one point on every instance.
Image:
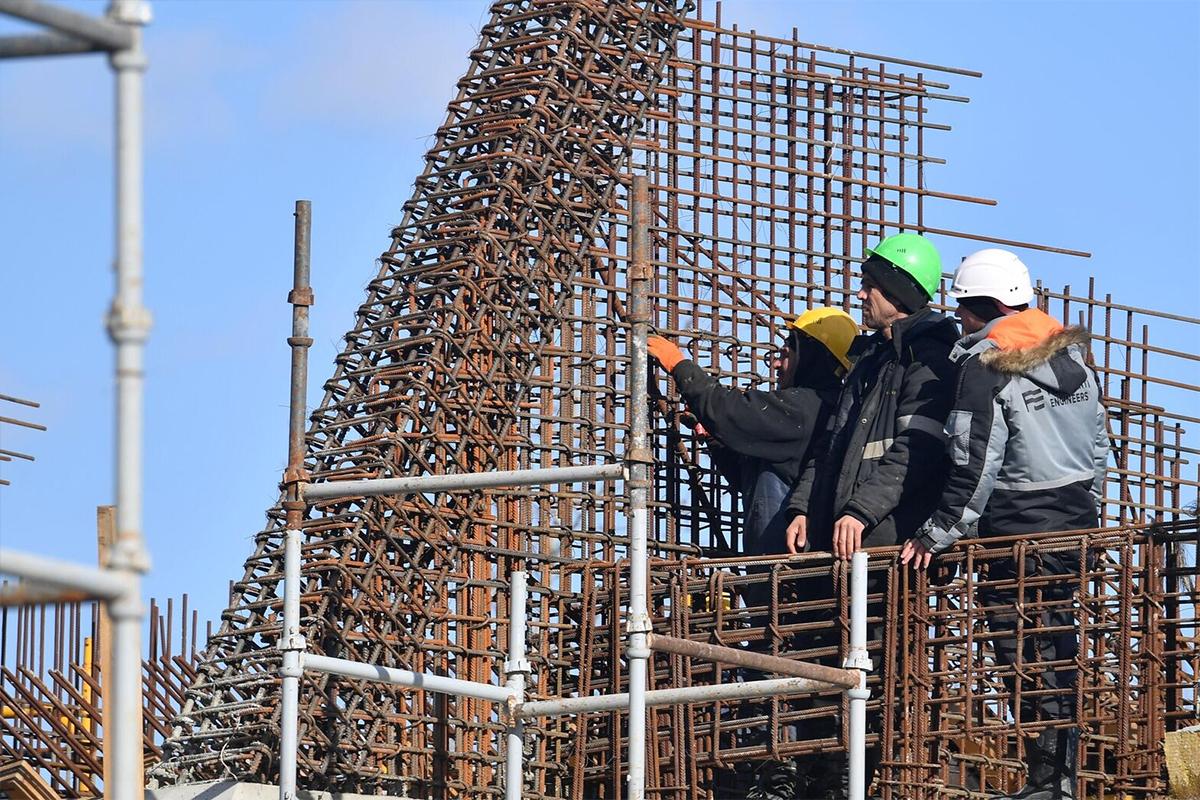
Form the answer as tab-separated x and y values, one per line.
915	255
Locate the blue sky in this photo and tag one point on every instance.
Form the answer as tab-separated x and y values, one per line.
1085	128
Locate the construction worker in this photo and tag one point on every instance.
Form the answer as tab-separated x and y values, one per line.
879	476
1029	447
759	439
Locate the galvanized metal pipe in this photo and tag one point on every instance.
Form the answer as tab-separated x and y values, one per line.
100	32
129	327
403	677
858	662
291	642
831	676
128	320
515	670
124	693
292	645
638	625
314	492
301	298
52	572
44	45
668	697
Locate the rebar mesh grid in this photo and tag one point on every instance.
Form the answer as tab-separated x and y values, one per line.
493	338
941	706
52	687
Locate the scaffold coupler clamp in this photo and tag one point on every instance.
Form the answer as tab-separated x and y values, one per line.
512	668
639	628
859	659
294	477
293	641
639	455
294	504
635	457
520	666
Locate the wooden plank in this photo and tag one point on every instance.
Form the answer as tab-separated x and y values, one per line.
106	536
20	781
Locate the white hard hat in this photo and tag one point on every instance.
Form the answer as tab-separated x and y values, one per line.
993	273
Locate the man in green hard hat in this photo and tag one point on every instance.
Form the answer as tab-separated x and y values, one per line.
880	473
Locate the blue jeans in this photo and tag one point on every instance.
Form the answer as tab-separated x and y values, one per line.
764	526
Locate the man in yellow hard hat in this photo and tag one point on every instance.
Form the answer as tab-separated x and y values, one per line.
759	439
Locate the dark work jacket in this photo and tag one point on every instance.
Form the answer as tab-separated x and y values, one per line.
760	439
883	459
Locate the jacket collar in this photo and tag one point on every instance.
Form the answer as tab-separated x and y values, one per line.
916	325
1032	332
1030	343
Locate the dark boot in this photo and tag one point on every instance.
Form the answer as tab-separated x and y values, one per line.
777	780
1051	767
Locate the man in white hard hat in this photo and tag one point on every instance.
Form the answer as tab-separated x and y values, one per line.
1028	445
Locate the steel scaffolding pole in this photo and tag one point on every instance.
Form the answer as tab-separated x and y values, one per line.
314	492
564	706
291	641
858	660
128	327
128	324
516	670
639	457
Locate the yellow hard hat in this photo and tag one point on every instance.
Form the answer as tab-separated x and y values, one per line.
831	327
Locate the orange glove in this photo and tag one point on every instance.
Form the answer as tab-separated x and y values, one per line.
667	353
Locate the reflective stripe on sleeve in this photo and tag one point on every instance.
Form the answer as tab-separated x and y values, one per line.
877	449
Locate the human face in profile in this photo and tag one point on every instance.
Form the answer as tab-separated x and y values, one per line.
878	311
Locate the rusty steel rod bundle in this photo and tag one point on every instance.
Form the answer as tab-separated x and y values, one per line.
53	688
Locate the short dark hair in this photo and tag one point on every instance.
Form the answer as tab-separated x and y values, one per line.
988	308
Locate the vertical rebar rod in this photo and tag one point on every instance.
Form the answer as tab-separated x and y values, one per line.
291	642
639	457
516	669
860	660
128	326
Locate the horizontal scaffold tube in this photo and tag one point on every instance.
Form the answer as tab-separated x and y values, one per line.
839	678
55	573
471	480
403	677
671	697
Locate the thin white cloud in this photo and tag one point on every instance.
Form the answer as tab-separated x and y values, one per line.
48	106
192	83
365	64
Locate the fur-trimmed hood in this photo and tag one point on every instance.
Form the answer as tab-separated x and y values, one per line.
1034	345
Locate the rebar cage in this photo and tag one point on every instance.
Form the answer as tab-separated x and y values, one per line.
494	337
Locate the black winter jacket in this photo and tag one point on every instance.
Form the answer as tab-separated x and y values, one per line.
883	459
760	441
